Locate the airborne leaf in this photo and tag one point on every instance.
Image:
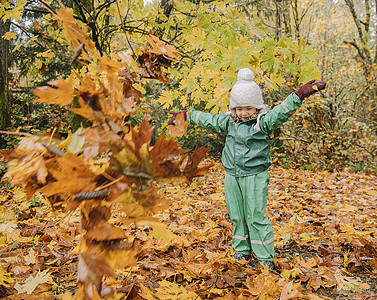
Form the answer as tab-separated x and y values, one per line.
191	169
63	93
180	127
72	175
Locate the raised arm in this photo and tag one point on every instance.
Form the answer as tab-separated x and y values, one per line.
281	113
218	122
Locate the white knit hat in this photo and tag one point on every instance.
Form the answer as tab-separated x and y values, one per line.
245	91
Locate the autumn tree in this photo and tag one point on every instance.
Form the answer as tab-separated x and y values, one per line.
363	15
334	130
214	40
4	46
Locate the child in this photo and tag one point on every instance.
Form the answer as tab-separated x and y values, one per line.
246	159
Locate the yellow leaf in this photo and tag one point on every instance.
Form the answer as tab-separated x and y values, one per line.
62	95
197	38
121	258
165	99
31	258
17	12
32	282
4	277
76	141
10	230
347	283
16	48
139	87
159	231
146	293
173	291
305	237
67	296
285	274
9	36
277	80
127	59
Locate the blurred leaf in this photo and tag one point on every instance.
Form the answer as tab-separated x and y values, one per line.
180	126
62	94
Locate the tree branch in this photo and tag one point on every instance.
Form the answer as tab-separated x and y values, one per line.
364	48
359	50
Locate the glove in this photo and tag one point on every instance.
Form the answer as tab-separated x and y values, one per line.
310	88
174	115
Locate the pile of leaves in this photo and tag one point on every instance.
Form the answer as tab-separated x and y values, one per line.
324	226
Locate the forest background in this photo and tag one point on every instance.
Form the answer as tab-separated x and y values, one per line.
285	43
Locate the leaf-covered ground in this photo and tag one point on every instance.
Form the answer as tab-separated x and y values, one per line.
325	239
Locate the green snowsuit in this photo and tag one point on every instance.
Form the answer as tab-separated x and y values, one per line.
246	159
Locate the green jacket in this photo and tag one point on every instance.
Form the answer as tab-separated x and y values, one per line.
246	150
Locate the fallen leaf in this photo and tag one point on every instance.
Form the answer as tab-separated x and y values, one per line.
32	282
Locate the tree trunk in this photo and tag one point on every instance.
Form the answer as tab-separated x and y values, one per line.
362	44
278	17
4	48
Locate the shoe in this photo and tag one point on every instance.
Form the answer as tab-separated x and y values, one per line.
239	256
270	264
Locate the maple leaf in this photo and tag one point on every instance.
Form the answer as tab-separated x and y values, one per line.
159	48
74	142
62	95
191	169
32	282
141	137
97	141
347	283
315	281
121	258
31	258
290	291
127	163
162	154
265	287
180	126
5	279
166	99
156	56
104	231
10	230
20	170
159	231
72	175
128	59
75	34
171	290
89	91
108	65
85	110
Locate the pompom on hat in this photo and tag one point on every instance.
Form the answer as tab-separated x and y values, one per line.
246	92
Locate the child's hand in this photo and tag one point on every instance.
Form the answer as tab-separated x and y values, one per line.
174	115
310	88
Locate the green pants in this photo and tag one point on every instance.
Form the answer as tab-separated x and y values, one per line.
246	200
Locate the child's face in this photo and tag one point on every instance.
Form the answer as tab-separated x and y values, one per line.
246	112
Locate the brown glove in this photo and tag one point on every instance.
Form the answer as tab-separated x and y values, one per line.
174	115
310	88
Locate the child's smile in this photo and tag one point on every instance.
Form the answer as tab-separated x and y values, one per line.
245	113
